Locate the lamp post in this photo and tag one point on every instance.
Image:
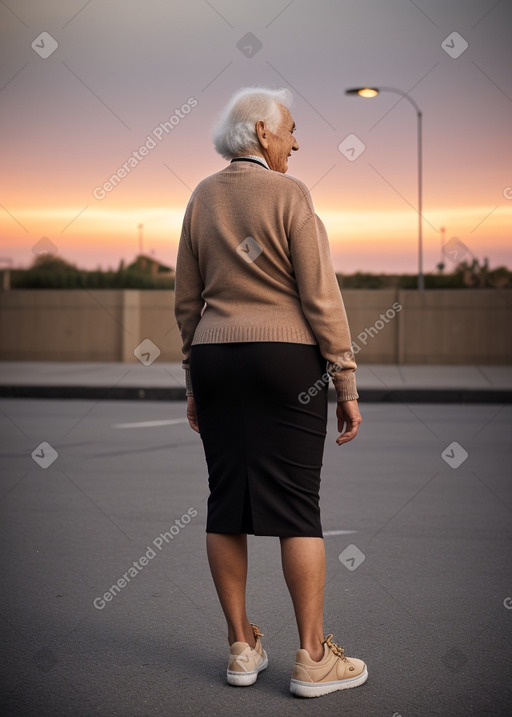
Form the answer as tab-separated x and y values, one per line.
373	92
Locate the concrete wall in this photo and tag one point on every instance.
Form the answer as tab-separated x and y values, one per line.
61	325
375	340
456	327
408	327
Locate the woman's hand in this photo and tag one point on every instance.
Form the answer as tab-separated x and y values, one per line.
191	414
349	420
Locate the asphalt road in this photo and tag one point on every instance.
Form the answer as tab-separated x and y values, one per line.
422	591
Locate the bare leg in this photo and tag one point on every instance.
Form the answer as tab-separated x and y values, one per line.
303	562
227	555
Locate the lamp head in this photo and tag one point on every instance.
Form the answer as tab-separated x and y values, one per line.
363	91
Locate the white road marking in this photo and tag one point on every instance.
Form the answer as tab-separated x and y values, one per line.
339	532
151	424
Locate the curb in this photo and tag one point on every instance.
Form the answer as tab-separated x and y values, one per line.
366	395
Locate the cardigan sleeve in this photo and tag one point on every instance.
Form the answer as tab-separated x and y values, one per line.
188	302
322	302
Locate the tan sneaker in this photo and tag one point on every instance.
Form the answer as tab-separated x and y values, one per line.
333	672
245	662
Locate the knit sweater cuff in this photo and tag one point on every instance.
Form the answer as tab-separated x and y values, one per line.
188	383
345	386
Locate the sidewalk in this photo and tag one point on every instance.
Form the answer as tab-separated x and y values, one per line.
165	381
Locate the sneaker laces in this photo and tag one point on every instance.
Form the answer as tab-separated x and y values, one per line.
336	649
256	630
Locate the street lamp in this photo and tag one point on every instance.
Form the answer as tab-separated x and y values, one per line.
373	92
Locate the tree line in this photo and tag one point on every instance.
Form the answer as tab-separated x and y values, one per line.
53	272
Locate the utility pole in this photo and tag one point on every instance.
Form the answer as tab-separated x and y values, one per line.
441	261
141	238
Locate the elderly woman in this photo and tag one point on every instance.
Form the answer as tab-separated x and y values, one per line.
263	327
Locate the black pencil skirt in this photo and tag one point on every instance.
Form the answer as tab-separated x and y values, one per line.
262	415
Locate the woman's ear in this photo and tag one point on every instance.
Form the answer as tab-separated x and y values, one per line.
262	133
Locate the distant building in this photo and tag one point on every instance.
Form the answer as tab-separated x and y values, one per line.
150	267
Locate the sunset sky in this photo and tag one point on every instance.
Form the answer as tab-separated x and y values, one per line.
71	120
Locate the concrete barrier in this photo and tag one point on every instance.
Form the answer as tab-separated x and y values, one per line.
406	327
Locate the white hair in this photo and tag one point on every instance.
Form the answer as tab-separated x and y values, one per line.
235	132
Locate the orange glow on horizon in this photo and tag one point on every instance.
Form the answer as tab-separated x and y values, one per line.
89	237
